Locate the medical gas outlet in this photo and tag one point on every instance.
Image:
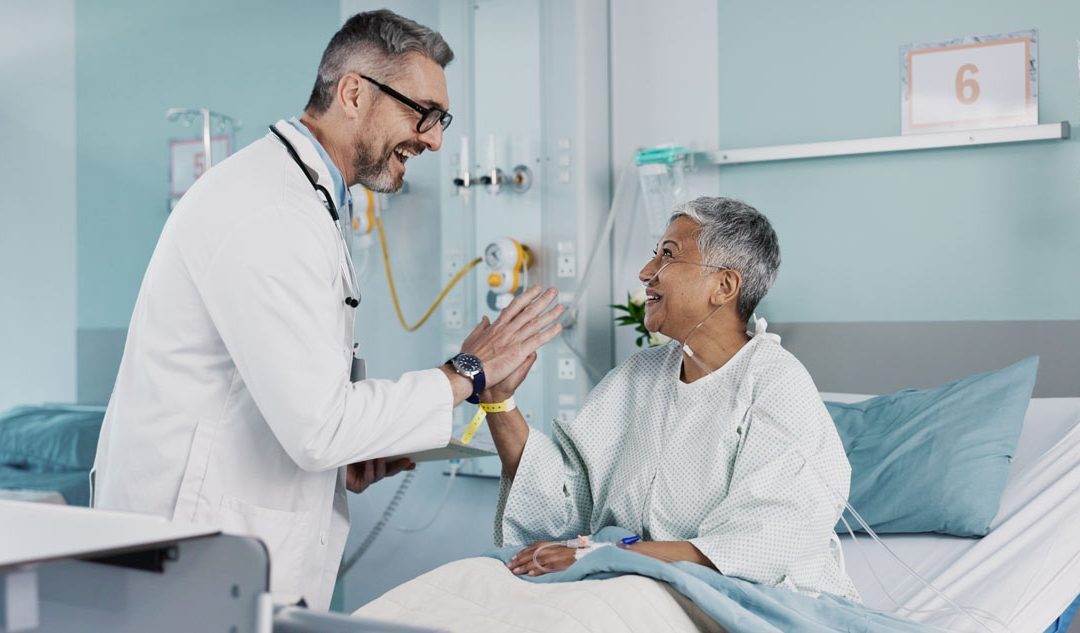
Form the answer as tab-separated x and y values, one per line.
494	178
508	262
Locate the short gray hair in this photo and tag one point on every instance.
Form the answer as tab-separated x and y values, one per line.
373	42
735	235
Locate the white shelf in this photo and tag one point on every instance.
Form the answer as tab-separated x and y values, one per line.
966	138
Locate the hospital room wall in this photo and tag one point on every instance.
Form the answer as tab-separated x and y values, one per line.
974	234
249	59
37	201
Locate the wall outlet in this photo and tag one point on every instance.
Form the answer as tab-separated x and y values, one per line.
453	317
567	266
566	416
452	263
567	369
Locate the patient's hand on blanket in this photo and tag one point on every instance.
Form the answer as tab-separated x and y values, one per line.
362	474
554	558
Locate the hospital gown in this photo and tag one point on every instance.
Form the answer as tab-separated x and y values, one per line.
745	463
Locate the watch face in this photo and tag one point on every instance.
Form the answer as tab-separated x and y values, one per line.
467	363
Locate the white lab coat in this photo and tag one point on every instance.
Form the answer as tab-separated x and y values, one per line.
233	404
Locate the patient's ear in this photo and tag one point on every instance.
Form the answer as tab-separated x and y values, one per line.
727	288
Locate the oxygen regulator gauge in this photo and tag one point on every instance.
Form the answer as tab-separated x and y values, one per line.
508	263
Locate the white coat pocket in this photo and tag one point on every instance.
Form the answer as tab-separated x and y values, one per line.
284	534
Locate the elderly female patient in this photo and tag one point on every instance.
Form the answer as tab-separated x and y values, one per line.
701	446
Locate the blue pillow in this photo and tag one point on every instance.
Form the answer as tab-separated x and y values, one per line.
935	460
49	438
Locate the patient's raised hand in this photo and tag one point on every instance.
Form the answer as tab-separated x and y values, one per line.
505	389
550	559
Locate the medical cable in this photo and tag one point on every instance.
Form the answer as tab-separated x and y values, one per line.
570	317
866	527
955	607
455	464
896	603
393	289
377	529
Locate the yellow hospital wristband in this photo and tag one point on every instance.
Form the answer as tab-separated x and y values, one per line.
481	413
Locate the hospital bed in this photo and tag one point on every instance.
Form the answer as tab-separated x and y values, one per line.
1025	573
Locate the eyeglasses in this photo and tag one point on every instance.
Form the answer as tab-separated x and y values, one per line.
428	116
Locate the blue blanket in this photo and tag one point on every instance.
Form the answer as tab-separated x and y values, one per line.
735	604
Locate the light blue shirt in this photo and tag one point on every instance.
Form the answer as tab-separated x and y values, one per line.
343	199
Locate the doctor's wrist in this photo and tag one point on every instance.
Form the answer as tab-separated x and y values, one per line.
460	386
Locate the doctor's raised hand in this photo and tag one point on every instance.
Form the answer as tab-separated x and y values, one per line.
506	347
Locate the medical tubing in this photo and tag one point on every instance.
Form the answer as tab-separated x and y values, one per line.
393	290
896	603
536	554
570	319
454	466
379	525
926	583
609	224
956	608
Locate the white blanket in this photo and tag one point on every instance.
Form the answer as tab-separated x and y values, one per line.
480	594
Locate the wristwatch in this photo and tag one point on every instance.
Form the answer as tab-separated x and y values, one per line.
470	366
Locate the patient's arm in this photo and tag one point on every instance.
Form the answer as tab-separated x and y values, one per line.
671	551
509	431
558	557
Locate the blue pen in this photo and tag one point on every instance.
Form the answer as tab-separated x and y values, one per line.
630	540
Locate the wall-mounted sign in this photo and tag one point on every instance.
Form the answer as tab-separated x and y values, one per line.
187	161
968	83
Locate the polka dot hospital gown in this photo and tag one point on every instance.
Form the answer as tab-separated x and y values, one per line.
723	462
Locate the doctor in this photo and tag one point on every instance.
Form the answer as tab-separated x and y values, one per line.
234	404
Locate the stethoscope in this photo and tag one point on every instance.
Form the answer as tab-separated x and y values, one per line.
328	202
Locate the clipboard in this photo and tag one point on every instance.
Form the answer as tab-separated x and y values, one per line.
454	450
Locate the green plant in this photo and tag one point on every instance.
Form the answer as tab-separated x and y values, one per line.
634	310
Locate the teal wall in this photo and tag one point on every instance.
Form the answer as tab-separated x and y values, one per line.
977	233
251	59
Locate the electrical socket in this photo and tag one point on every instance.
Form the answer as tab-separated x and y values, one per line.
453	317
567	266
452	263
567	369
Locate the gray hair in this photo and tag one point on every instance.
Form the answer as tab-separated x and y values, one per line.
373	41
735	235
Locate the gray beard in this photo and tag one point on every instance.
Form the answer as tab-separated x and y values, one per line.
373	171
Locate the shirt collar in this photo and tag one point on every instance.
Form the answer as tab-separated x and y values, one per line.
341	192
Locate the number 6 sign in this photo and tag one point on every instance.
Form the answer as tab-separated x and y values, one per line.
973	82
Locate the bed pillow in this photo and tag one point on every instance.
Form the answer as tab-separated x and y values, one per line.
935	460
49	438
